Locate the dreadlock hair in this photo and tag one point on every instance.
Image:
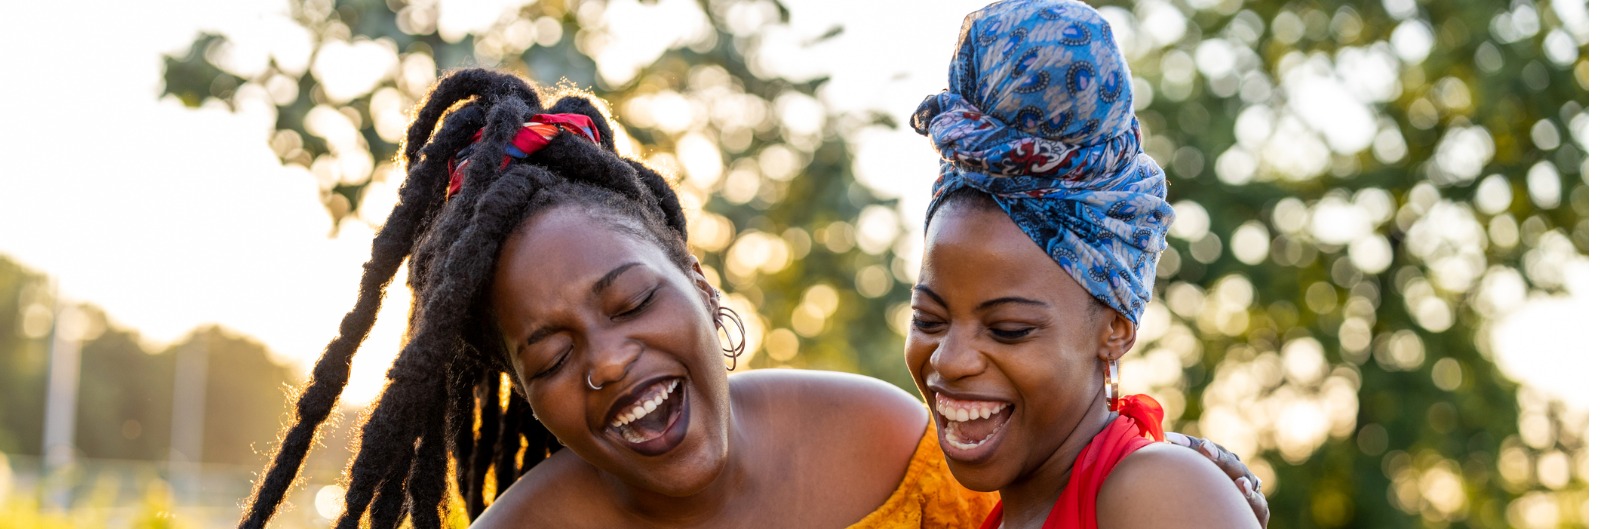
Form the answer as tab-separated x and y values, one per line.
444	402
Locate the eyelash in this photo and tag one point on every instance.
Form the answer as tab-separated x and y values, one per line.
651	296
930	326
636	309
560	361
924	325
1011	334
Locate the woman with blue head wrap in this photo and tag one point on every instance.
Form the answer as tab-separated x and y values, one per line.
1042	173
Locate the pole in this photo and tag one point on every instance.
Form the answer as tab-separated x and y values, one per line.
188	416
61	394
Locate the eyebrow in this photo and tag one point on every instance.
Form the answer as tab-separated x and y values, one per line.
1011	299
611	277
538	334
987	304
599	286
929	292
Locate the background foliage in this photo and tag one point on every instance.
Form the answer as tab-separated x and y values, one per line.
1362	189
125	397
124	423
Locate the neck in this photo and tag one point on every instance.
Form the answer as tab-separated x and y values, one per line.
700	507
1028	500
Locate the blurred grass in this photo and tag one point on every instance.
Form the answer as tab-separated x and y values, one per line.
140	499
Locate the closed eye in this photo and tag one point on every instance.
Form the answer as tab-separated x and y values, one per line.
638	307
1011	334
560	361
925	324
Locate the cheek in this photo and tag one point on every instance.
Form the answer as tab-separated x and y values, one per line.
678	311
519	371
916	349
919	351
1057	374
559	412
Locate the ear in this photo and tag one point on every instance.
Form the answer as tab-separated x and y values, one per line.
708	293
1117	334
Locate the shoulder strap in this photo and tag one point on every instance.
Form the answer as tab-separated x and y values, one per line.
1138	425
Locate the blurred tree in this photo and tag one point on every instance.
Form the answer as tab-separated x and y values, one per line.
25	319
1361	189
124	399
796	241
242	417
125	392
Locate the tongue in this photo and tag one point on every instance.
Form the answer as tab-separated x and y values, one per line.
653	424
976	430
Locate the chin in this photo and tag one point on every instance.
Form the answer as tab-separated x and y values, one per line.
984	479
689	473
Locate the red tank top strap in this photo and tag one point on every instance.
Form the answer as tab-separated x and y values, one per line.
1138	425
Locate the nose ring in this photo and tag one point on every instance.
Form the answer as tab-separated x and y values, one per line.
589	382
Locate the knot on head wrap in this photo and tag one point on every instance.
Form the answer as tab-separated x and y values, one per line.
1039	116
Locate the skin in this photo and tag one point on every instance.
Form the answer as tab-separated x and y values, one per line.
1249	485
764	448
996	320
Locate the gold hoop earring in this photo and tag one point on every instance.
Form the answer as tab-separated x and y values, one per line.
733	350
1113	380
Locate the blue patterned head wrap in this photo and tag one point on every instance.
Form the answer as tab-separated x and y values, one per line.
1039	116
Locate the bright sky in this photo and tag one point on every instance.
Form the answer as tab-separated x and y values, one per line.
170	218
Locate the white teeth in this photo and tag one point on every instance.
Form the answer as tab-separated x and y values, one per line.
646	405
981	410
957	411
950	437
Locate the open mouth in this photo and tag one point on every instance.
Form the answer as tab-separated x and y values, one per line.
969	426
651	422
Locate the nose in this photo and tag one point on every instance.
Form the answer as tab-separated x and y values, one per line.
611	359
956	357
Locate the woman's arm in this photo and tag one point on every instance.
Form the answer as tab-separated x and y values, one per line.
1163	485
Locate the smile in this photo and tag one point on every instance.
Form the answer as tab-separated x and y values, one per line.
968	426
651	421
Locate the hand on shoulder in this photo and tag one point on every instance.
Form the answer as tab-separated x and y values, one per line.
1164	485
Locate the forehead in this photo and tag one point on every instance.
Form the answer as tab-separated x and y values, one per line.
980	250
567	246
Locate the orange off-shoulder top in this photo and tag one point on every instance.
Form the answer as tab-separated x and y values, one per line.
928	496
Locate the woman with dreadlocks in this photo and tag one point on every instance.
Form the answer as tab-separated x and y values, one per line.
539	254
1042	237
543	260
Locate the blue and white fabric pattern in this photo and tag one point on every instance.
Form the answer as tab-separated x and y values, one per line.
1039	116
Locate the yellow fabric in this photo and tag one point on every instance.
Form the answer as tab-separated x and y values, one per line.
928	496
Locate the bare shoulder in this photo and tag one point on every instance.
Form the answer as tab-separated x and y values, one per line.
1192	491
860	401
860	433
547	496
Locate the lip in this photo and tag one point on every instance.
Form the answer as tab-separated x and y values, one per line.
627	398
970	456
675	432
